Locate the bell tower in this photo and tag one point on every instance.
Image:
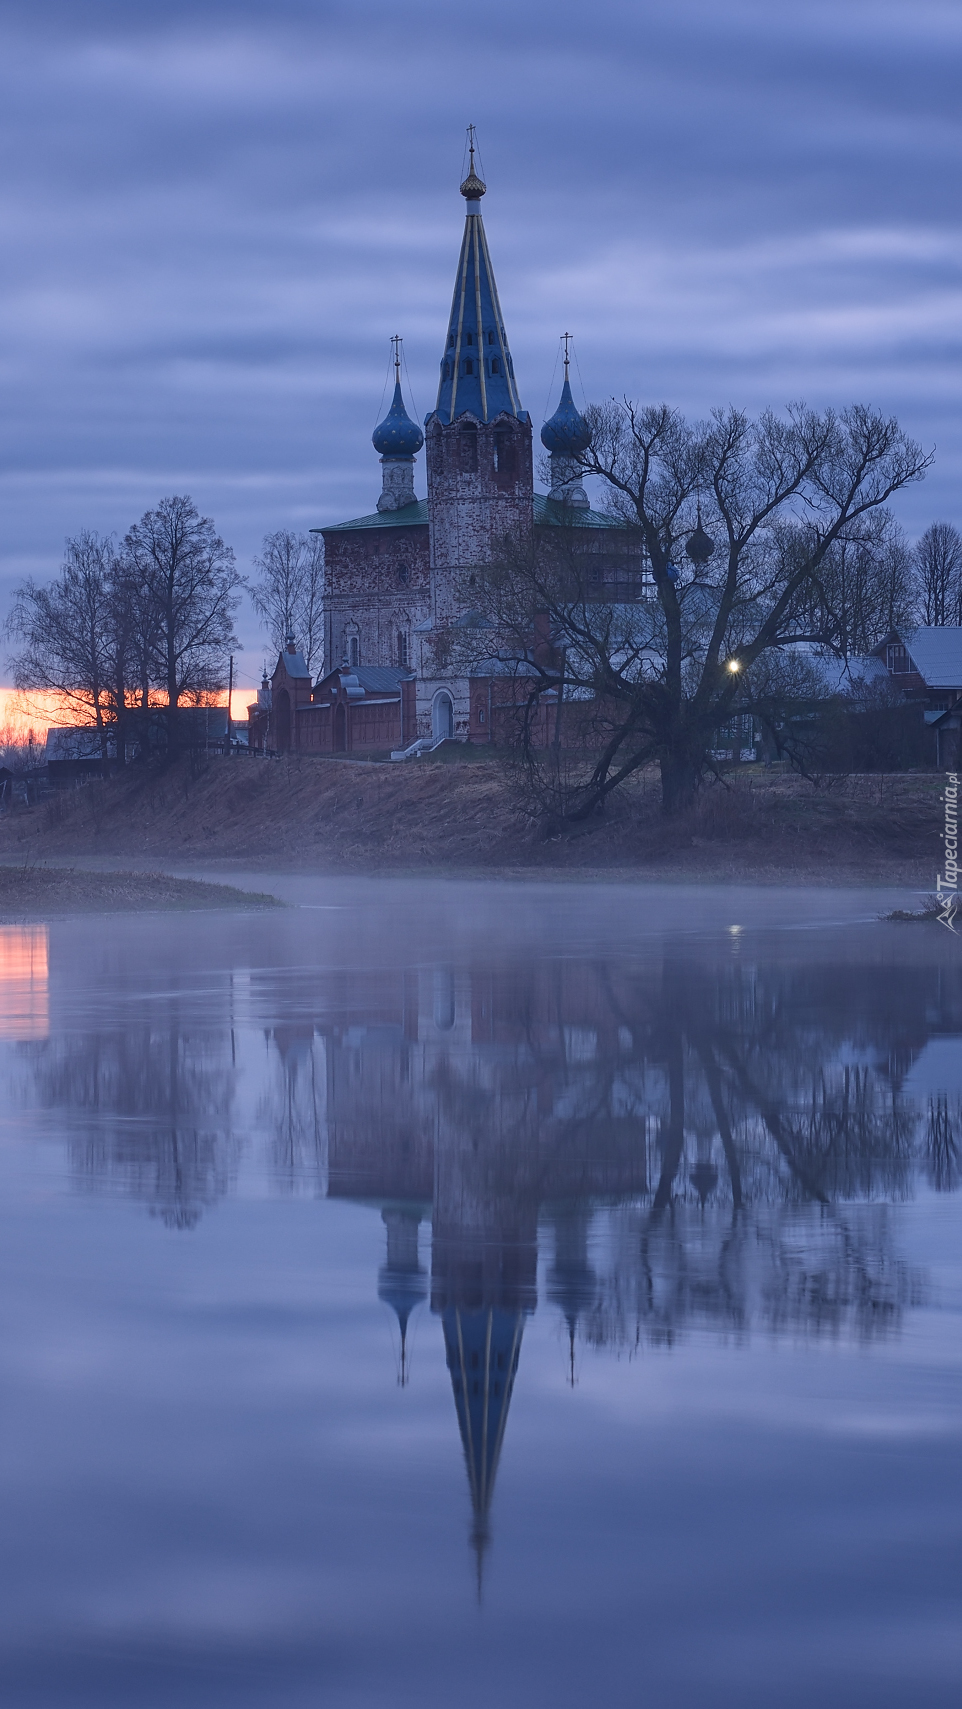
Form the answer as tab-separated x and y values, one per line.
478	438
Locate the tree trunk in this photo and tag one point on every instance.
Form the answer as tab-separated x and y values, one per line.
679	781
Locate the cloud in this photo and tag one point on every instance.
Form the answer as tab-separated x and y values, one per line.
218	213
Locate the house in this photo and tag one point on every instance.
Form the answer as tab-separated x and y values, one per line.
75	751
926	664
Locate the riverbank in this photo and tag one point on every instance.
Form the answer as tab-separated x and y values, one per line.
759	825
29	892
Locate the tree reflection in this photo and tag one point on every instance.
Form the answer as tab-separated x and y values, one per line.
146	1109
695	1141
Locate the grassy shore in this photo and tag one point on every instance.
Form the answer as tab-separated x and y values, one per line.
463	816
30	892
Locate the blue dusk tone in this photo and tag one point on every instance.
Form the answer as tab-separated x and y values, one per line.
372	1336
216	216
480	914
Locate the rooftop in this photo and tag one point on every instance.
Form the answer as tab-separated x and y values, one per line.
547	512
411	516
936	654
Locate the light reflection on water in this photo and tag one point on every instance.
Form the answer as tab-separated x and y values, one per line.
23	982
648	1215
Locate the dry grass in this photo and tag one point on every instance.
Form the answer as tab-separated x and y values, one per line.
35	892
338	815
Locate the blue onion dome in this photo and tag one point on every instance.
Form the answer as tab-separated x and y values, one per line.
699	546
397	435
567	432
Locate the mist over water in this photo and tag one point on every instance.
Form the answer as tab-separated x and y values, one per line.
549	1293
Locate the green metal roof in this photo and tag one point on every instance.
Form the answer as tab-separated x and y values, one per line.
411	516
548	512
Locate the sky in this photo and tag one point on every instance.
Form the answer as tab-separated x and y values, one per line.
216	215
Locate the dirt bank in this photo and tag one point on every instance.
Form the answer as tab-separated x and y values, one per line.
336	815
30	892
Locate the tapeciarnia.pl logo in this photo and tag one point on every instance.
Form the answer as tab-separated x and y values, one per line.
947	884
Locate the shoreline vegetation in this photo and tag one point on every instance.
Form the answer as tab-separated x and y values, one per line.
463	814
31	892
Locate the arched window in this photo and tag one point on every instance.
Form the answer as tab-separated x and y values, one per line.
504	459
490	337
403	574
402	649
469	337
495	365
469	366
354	652
450	340
468	441
482	712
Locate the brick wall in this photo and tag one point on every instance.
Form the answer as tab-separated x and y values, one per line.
378	586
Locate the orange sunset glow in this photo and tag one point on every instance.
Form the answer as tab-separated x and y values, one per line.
24	983
20	713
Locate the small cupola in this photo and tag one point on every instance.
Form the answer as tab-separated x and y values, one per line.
567	431
397	435
567	436
699	546
397	439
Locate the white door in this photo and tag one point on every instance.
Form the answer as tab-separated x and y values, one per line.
443	716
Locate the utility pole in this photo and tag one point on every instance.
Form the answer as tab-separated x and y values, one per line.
230	696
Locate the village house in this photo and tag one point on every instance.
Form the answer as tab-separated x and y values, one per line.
925	663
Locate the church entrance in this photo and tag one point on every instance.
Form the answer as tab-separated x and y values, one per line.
283	721
340	728
442	716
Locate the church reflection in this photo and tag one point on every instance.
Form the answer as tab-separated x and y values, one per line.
690	1143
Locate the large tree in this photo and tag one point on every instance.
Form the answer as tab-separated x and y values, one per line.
70	639
729	608
188	580
289	590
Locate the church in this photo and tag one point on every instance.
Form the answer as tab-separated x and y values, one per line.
395	580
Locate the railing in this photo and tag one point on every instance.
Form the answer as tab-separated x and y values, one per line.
423	745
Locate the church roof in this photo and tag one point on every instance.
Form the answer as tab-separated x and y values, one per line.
411	516
371	679
566	431
477	373
294	664
482	1349
548	512
397	435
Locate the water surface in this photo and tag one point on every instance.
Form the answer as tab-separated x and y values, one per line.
521	1294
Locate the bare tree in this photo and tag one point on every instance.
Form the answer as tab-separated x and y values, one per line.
938	568
288	593
70	642
189	580
664	673
864	588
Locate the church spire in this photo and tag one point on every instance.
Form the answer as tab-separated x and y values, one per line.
482	1349
477	374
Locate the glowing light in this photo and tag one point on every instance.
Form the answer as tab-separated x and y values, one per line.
734	665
